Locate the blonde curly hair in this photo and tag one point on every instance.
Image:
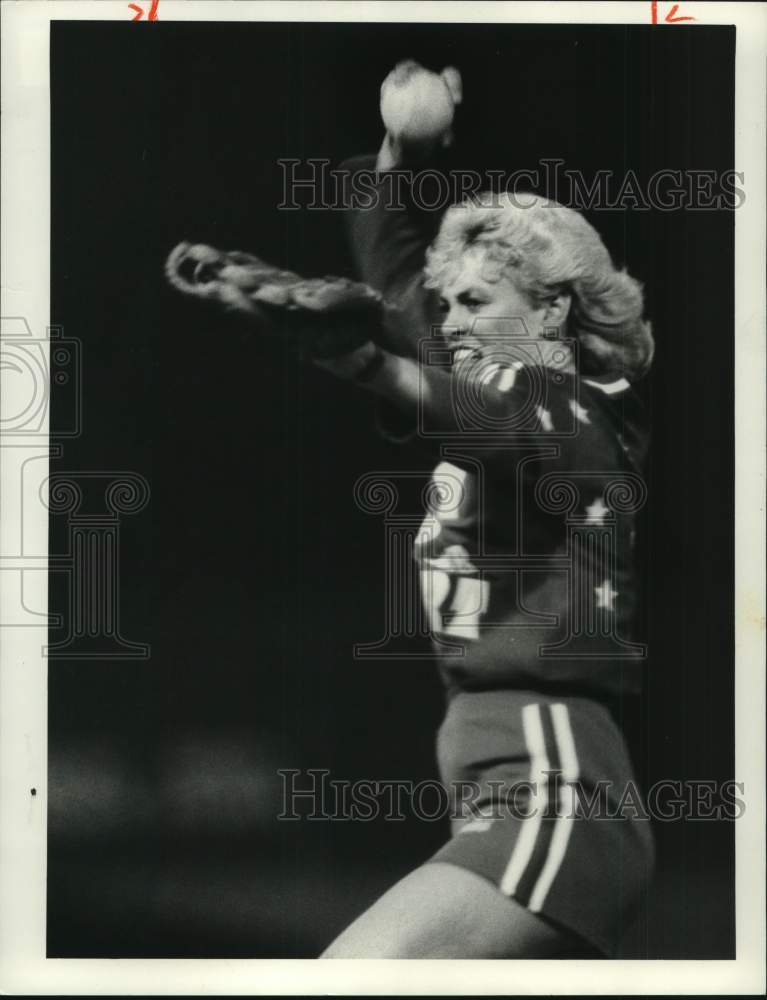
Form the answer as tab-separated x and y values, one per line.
546	249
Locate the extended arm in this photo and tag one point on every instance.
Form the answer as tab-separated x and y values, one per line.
434	396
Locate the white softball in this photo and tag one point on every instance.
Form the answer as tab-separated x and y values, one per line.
416	104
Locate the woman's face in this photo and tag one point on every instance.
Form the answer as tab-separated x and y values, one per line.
478	313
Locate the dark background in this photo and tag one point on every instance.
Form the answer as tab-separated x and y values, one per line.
251	573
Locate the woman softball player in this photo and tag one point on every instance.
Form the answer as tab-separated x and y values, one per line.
538	441
504	350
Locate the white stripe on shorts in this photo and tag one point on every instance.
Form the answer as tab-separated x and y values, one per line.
563	827
528	834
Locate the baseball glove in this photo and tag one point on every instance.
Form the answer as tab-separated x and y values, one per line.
320	317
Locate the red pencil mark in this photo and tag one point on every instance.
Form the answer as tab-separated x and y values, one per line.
152	16
669	18
675	20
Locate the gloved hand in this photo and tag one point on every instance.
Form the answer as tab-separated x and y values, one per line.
319	317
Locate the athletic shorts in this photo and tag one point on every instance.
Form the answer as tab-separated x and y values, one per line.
544	804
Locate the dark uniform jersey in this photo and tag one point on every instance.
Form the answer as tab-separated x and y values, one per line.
526	559
527	548
526	551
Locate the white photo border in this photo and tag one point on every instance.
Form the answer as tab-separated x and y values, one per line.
23	670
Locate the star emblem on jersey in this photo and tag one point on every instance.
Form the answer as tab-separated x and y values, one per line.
595	512
606	596
579	412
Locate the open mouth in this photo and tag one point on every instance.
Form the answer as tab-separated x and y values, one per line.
463	351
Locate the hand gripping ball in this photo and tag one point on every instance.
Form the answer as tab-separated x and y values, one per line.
418	105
